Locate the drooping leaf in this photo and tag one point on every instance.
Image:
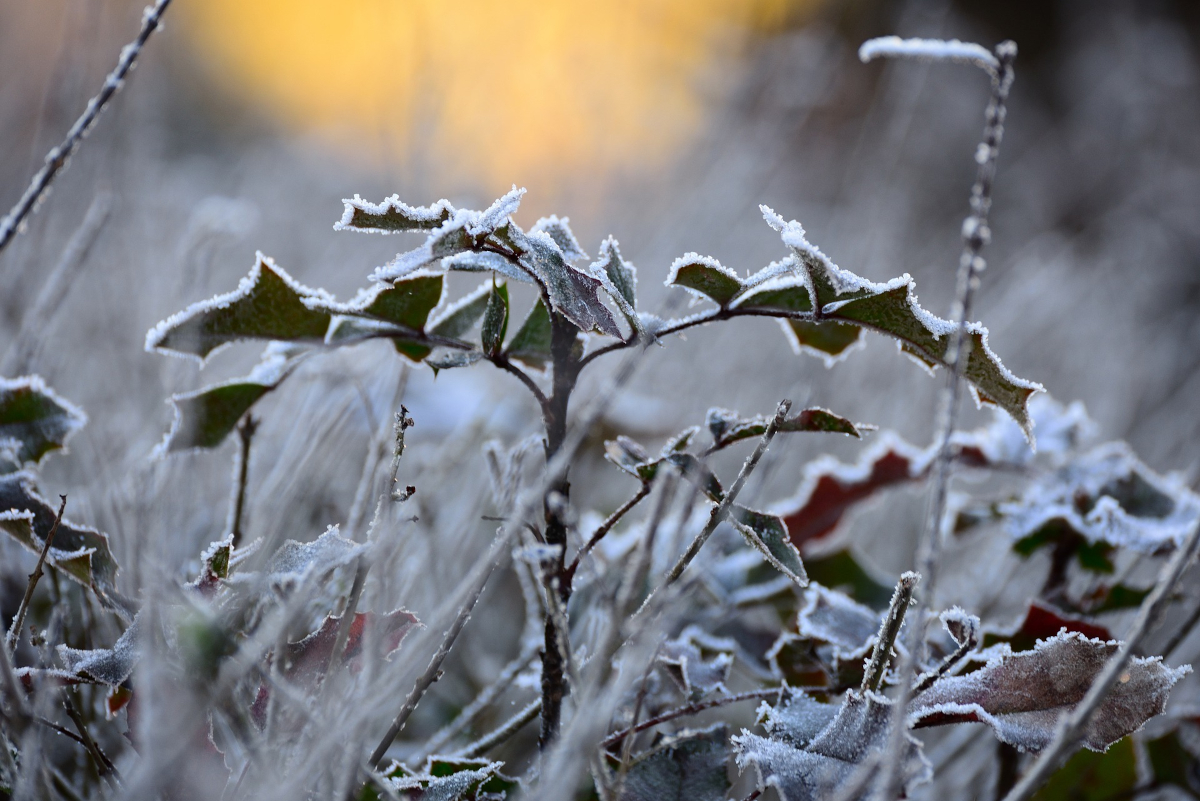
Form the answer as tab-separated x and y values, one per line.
35	419
769	535
459	316
705	277
830	342
1107	495
392	216
1021	695
689	766
268	304
531	343
449	358
622	278
80	552
1089	776
559	229
812	748
204	418
495	320
892	309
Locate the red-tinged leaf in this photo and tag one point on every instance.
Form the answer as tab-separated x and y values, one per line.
831	488
1021	695
1041	622
309	659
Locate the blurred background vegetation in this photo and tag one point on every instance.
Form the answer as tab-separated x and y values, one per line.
663	122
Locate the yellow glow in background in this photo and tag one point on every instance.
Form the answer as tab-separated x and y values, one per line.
503	91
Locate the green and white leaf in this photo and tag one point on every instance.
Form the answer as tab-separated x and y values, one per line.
619	278
392	216
705	277
268	304
559	229
531	343
494	327
34	419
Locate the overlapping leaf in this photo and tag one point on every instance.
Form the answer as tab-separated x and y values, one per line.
204	418
34	420
728	427
80	552
531	343
268	304
1022	694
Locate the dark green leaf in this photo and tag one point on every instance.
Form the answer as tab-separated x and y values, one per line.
826	340
531	343
392	216
783	294
204	418
769	535
35	418
495	320
705	277
458	318
268	304
697	471
690	766
406	303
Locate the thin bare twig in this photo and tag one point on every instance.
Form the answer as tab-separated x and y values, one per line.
56	160
722	510
14	633
432	671
1071	725
691	709
506	730
104	765
606	527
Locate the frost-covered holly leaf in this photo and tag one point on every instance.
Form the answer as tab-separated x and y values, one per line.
494	327
392	216
892	309
696	675
728	427
1021	695
828	341
572	293
1041	622
531	343
268	304
82	553
204	418
812	748
111	666
446	779
1107	495
769	535
487	261
1089	776
34	418
705	277
214	567
294	562
832	638
406	303
559	229
452	231
830	488
622	281
458	318
449	358
689	766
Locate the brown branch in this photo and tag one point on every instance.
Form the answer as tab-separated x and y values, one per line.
56	159
14	633
889	630
692	709
503	362
103	764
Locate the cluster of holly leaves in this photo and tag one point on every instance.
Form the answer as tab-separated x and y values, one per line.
823	604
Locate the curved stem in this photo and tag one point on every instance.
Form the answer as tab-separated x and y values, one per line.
606	526
692	709
506	365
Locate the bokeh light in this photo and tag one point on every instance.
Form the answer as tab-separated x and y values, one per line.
523	90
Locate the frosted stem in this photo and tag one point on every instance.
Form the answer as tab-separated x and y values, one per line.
56	160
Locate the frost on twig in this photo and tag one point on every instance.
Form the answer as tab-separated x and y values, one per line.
930	50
